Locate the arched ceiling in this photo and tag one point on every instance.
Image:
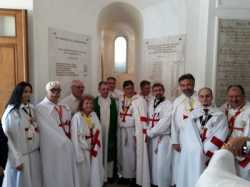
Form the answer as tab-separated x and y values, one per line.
116	13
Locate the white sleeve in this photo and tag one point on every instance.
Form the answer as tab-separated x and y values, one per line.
12	131
219	137
75	139
247	127
174	128
164	123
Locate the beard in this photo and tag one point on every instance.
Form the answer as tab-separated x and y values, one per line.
188	92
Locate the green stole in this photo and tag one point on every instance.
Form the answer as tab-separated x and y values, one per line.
112	134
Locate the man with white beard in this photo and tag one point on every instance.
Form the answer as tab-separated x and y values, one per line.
204	132
182	106
160	148
237	110
57	151
140	113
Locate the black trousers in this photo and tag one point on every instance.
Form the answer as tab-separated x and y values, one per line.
1	180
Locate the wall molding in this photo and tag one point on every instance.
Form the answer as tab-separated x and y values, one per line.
233	4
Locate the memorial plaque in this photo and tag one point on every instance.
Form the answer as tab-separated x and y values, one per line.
69	58
233	57
164	62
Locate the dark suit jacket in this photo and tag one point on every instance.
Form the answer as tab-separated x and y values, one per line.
3	147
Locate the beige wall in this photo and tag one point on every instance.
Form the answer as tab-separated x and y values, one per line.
107	51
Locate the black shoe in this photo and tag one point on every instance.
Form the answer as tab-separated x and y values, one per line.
122	180
111	180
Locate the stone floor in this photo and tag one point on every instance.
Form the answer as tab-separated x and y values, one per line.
116	185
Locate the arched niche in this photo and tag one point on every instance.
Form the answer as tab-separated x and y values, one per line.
120	19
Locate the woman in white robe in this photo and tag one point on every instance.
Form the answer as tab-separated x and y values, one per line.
24	165
87	141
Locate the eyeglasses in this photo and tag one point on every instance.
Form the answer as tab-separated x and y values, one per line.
56	90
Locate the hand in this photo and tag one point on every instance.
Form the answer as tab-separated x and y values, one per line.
177	147
1	171
235	145
19	168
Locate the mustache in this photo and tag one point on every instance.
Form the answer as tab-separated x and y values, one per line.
188	92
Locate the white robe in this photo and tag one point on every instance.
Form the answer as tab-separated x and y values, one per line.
221	172
180	109
72	102
195	153
160	146
23	142
57	151
104	119
241	128
90	168
140	113
126	143
116	94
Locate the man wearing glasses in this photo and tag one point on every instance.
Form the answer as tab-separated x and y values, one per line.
72	100
58	159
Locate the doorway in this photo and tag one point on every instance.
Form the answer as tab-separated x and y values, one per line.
13	52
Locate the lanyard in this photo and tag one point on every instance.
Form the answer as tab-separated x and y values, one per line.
231	121
28	112
59	112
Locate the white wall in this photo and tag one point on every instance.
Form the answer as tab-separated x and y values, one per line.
17	4
230	9
197	20
165	18
160	18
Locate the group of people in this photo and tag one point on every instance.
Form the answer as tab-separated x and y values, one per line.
139	138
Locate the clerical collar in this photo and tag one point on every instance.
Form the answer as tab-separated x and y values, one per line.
158	101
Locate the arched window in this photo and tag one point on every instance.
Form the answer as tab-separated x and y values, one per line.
120	54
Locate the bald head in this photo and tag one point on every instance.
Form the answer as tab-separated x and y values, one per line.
77	88
205	96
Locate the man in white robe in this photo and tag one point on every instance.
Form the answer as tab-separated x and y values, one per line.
182	106
204	132
221	169
106	110
126	133
160	147
57	152
140	113
237	110
113	91
72	100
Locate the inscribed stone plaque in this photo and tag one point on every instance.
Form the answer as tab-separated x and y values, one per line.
69	57
233	59
164	61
